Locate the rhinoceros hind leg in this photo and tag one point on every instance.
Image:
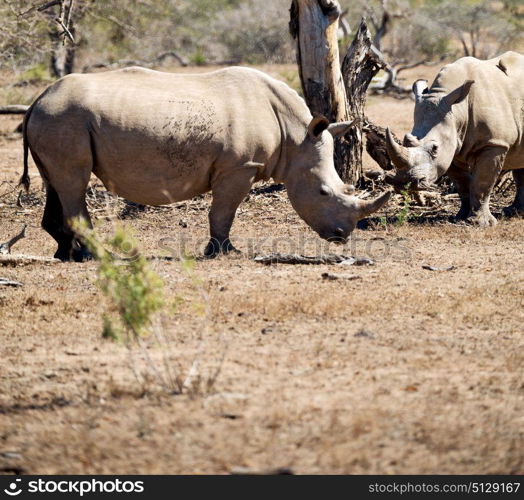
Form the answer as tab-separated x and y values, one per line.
517	207
53	220
488	166
69	247
229	190
462	180
73	206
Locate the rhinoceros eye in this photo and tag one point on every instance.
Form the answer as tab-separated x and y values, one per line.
433	150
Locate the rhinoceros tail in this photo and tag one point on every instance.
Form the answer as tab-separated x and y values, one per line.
24	180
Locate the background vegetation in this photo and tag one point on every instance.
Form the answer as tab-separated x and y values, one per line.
249	31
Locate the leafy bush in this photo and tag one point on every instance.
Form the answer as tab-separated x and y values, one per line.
255	32
207	31
134	290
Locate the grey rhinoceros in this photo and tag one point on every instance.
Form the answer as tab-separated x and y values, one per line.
468	124
156	138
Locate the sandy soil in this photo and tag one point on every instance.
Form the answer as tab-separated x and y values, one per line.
391	369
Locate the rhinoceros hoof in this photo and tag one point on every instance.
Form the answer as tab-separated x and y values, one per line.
482	220
513	211
75	255
462	214
216	247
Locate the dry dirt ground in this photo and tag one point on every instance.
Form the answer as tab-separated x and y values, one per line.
397	370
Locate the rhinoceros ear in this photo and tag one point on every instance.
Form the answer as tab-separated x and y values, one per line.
459	94
341	128
318	124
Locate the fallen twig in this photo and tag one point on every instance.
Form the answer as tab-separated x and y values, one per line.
14	109
431	268
5	248
283	258
6	282
23	260
334	276
247	471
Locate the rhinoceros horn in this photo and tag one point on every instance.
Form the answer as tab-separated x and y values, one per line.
397	153
367	207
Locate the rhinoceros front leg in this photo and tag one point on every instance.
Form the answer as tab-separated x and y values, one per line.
488	166
462	180
517	207
229	190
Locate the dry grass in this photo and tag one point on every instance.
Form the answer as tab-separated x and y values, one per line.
402	371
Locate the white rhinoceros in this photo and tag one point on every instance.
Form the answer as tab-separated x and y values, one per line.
470	125
156	138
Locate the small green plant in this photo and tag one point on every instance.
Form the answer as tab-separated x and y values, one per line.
134	290
383	221
37	73
198	57
404	213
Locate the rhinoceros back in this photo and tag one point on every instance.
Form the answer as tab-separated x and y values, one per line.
156	137
495	107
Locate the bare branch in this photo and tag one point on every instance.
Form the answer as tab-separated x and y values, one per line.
40	8
66	30
24	260
47	5
283	258
286	258
14	109
5	248
6	282
69	13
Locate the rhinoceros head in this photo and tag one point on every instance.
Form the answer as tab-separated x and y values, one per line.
316	191
427	152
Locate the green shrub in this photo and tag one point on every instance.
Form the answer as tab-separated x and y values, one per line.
37	73
133	289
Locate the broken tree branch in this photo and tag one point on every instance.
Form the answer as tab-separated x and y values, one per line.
7	282
283	258
5	248
14	109
24	260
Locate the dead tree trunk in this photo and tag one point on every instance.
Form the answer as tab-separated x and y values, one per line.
314	24
337	93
